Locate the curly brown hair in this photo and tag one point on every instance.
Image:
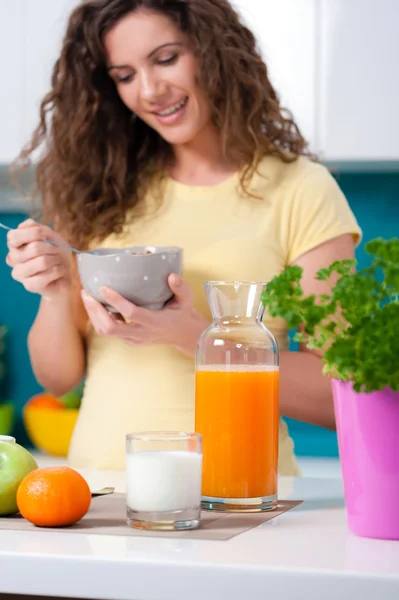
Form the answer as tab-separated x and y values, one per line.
98	160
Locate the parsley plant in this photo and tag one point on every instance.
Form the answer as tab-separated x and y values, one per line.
356	324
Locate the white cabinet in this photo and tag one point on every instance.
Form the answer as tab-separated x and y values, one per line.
44	27
334	64
31	33
287	34
12	75
359	80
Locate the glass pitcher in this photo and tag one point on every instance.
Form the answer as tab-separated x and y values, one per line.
236	401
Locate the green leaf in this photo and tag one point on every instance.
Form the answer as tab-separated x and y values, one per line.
363	341
324	274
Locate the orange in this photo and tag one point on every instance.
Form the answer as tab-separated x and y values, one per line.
53	497
44	401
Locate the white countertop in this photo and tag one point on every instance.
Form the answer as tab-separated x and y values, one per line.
305	553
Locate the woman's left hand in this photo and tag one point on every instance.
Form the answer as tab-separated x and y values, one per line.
178	324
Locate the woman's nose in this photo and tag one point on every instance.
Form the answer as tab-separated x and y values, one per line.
151	86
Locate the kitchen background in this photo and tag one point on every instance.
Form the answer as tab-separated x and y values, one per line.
335	65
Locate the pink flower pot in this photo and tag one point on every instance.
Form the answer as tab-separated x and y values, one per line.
368	441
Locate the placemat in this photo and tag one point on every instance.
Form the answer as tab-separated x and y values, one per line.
107	516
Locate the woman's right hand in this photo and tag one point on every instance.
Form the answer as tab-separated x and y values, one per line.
41	267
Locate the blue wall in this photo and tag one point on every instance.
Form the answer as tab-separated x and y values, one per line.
374	199
17	311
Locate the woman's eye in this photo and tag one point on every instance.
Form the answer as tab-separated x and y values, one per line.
124	78
168	61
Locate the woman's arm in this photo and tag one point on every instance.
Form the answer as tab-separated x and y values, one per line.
305	393
56	343
56	340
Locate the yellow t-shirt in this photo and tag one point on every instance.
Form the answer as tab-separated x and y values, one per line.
225	236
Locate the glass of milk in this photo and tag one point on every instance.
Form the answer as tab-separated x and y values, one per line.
163	480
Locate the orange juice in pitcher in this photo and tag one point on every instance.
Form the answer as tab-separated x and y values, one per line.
236	401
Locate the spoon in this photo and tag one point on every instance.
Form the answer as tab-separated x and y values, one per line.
103	492
55	243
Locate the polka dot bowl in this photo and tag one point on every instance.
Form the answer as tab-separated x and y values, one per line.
139	274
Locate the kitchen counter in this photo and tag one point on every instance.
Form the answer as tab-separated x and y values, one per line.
305	553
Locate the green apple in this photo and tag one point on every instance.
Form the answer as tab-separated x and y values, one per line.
15	464
71	400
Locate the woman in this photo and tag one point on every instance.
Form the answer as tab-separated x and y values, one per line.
165	129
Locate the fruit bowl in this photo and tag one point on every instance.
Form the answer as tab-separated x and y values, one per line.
138	273
6	418
50	430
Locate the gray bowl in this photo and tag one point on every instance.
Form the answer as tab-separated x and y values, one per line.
139	273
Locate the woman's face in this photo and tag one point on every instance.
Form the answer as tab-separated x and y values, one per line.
155	73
